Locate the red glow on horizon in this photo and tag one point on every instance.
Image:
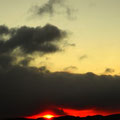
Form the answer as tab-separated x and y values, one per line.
79	113
88	112
47	115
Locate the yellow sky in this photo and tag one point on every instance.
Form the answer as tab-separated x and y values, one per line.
94	28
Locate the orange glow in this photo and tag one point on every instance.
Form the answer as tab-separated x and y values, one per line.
72	112
87	112
48	116
80	113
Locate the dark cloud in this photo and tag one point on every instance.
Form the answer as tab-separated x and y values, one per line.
109	70
25	41
26	61
27	91
30	39
83	57
66	44
44	69
70	68
6	60
49	8
4	29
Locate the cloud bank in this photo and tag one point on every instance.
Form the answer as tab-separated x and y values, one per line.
26	90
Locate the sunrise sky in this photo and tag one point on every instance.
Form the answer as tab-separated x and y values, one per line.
46	45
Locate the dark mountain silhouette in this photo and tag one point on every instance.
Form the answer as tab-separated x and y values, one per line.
96	117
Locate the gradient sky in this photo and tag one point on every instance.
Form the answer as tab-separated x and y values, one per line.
93	26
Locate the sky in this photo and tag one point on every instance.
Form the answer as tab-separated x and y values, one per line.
46	45
93	27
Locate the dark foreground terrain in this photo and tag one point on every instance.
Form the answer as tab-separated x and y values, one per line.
97	117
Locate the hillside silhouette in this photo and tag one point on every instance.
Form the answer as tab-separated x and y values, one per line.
96	117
